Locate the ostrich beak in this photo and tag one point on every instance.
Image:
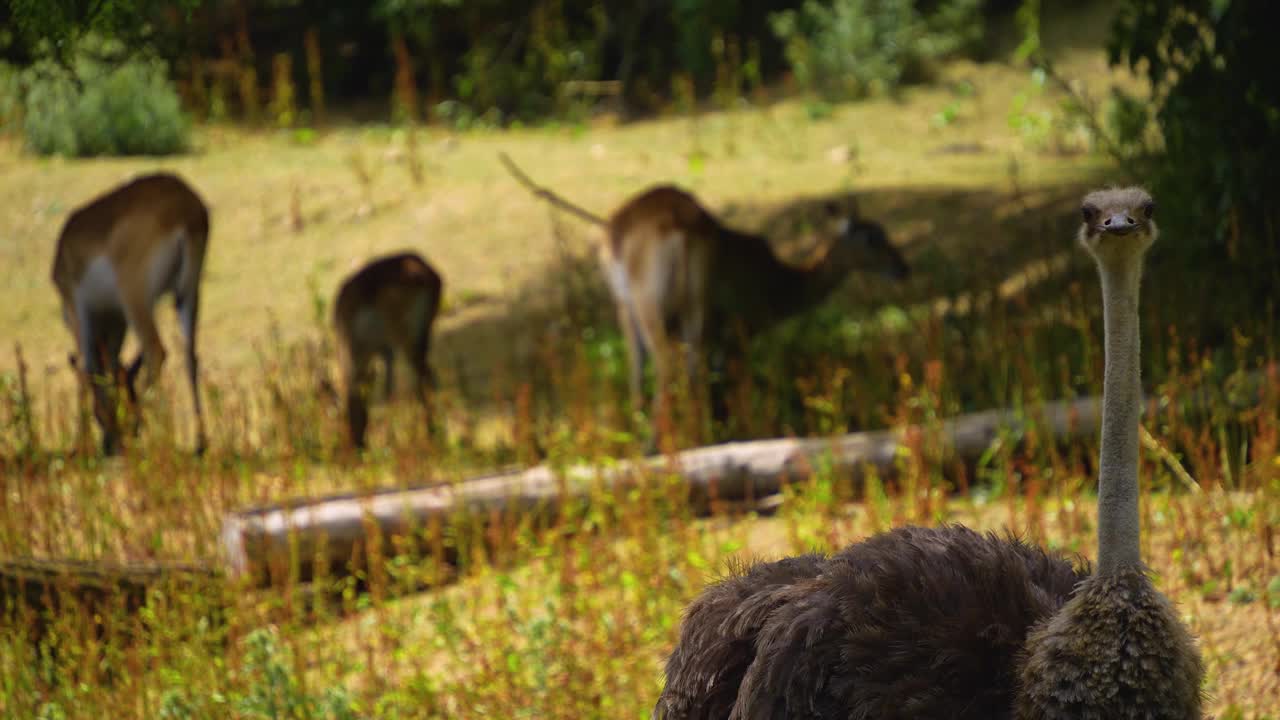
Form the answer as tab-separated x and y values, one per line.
1119	224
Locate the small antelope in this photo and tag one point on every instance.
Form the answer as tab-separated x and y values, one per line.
115	257
390	304
677	273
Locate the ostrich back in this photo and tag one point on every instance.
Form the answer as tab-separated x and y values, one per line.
912	623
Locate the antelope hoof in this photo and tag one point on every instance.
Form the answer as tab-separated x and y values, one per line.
110	446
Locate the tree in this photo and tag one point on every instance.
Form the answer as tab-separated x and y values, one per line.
1216	97
55	27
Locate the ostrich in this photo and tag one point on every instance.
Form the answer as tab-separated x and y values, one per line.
951	623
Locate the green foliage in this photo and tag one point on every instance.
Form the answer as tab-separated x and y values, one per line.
695	23
1216	99
819	110
276	690
1033	124
1127	119
58	26
1028	21
103	107
10	98
850	49
530	87
501	61
51	711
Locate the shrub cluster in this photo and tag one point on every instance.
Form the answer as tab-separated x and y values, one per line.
102	107
848	49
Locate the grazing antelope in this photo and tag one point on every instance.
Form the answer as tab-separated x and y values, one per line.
388	305
678	275
115	257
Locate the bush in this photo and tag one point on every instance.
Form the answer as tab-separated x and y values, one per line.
10	98
1216	99
100	107
848	49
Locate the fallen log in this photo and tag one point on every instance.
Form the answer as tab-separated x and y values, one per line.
337	535
35	590
333	536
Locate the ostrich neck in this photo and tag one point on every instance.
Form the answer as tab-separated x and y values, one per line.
1118	523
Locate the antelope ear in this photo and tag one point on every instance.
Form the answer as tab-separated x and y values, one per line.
1149	209
1089	213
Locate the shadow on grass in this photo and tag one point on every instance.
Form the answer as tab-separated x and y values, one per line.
958	242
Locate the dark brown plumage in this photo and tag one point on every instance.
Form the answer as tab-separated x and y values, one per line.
1117	638
717	643
912	623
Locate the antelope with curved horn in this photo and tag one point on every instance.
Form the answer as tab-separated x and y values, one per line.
680	277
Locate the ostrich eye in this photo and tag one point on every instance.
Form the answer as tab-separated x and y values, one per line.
1148	209
1089	213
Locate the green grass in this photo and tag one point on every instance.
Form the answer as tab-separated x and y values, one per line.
575	620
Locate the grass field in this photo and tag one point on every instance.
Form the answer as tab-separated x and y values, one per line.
1001	310
492	241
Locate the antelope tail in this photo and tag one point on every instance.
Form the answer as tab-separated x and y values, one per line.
548	195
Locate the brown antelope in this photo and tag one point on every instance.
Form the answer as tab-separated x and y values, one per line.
677	274
389	305
116	256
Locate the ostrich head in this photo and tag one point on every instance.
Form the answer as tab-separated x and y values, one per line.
1119	226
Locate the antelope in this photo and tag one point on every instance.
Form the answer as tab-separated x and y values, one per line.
116	256
677	273
388	305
